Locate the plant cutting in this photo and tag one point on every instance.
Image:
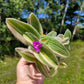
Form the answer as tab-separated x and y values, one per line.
46	51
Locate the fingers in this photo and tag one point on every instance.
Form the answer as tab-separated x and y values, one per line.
34	74
39	75
30	69
36	77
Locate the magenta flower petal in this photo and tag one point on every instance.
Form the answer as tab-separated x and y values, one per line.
40	45
37	50
37	45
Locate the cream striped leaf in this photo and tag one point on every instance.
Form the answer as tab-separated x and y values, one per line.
53	71
60	35
67	46
46	56
62	65
26	54
56	46
29	37
33	20
52	34
18	28
67	33
43	69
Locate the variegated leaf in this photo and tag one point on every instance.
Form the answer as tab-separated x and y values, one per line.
62	65
43	69
53	71
18	28
52	34
67	33
67	46
57	47
44	40
26	54
33	20
46	56
60	35
29	37
64	41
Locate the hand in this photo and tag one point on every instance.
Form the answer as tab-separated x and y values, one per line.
27	73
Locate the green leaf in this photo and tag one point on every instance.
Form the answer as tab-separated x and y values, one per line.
62	65
26	54
18	28
43	69
33	20
29	37
57	47
53	71
67	33
65	40
44	40
46	56
60	35
52	34
67	46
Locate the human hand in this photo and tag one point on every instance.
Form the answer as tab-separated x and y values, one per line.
27	73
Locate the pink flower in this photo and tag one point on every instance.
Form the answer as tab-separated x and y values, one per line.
37	45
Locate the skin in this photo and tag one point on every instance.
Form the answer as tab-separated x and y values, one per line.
27	73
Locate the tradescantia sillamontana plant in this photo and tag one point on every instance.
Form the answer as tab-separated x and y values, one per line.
46	51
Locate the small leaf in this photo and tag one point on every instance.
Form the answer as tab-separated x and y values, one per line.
44	40
53	71
62	40
67	33
52	34
60	35
62	65
65	40
33	20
